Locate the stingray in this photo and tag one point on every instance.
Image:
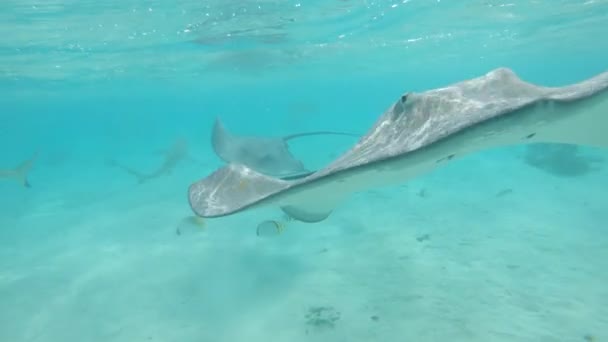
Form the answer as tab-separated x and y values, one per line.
266	155
419	133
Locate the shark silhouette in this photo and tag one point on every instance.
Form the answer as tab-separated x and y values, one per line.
20	172
173	156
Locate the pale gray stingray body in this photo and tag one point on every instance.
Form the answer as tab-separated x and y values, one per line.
418	133
267	155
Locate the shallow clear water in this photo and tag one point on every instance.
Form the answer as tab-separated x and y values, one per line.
505	245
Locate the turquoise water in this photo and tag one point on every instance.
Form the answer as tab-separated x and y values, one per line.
505	245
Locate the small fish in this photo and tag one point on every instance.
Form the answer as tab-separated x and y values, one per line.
270	228
424	237
190	224
504	192
589	338
422	193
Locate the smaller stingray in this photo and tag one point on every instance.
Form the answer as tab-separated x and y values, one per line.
267	155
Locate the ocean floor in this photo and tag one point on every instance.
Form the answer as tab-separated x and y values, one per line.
488	248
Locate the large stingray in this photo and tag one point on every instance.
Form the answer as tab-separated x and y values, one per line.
267	155
418	133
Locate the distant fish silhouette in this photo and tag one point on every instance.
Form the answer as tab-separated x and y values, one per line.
417	134
20	172
175	154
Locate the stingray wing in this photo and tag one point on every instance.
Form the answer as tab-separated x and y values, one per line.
232	188
221	141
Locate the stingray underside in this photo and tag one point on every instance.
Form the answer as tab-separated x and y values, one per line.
418	133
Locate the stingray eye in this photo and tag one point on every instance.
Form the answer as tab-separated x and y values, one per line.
399	107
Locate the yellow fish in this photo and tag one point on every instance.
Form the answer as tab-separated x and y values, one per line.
270	228
190	223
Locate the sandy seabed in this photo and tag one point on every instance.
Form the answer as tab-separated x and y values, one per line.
486	249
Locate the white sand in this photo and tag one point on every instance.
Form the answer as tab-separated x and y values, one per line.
103	263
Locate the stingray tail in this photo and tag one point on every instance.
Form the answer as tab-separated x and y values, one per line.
23	169
306	134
